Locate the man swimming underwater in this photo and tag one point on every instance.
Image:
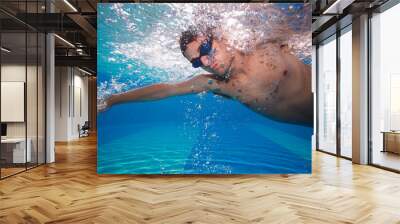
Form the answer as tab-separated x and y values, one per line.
269	80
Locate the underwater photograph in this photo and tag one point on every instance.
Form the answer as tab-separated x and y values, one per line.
185	88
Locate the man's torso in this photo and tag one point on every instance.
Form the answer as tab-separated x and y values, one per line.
273	83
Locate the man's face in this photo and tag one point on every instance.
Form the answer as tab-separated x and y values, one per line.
217	62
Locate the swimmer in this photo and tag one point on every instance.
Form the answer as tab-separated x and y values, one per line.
269	80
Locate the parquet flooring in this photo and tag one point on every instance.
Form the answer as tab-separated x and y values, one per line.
10	171
70	191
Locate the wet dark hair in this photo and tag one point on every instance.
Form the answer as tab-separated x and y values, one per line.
190	35
187	37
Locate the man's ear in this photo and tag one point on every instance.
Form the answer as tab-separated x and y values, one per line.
285	48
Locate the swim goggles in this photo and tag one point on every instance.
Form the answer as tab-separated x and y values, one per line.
205	49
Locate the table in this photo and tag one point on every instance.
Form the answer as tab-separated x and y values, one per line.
391	141
19	154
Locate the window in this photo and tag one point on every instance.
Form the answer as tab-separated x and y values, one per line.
346	92
22	77
327	95
385	89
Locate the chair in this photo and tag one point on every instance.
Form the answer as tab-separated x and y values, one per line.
84	130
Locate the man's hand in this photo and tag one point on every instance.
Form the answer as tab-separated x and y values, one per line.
103	105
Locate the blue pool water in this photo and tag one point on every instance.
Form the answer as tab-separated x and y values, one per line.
198	134
192	134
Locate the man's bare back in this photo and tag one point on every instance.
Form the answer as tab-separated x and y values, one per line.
269	80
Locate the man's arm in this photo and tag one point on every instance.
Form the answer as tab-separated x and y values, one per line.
196	84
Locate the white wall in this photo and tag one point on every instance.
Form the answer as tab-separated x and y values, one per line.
81	83
71	87
61	103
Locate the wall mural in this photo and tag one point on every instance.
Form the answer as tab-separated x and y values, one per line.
204	88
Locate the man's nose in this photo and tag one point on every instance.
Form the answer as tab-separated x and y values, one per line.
205	60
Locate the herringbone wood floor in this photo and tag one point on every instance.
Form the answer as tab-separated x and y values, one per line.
70	191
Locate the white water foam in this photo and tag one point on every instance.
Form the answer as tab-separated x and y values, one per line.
243	25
